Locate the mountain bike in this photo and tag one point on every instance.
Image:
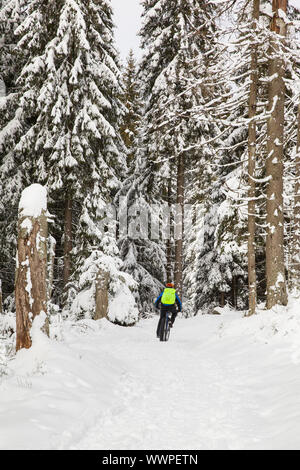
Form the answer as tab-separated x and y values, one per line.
164	327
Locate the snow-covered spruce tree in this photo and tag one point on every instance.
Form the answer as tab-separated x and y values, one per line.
142	257
216	222
70	88
205	188
156	155
173	34
220	262
247	63
246	41
11	13
12	176
231	179
132	101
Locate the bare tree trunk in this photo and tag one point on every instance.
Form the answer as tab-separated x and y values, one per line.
251	168
1	307
67	241
51	251
234	291
31	276
179	225
169	244
275	272
222	300
295	251
102	284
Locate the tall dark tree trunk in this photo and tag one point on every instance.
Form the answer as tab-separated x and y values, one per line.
295	251
169	243
275	272
222	299
234	291
1	308
51	261
179	225
67	241
251	168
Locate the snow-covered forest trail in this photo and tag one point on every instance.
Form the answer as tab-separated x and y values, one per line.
178	394
194	392
221	382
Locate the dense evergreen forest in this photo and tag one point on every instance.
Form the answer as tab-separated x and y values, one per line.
181	167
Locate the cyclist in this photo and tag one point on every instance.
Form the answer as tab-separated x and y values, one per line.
167	299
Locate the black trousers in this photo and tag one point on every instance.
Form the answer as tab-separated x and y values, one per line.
163	310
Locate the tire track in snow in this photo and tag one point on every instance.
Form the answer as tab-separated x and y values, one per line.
172	395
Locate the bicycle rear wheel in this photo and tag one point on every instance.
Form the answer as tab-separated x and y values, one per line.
165	329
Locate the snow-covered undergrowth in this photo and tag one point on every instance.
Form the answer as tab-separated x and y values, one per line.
54	390
269	326
221	382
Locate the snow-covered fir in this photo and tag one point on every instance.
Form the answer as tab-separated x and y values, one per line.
70	98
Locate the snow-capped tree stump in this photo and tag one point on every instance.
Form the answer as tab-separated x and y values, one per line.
102	283
31	272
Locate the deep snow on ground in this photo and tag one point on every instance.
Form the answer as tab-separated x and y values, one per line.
221	382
